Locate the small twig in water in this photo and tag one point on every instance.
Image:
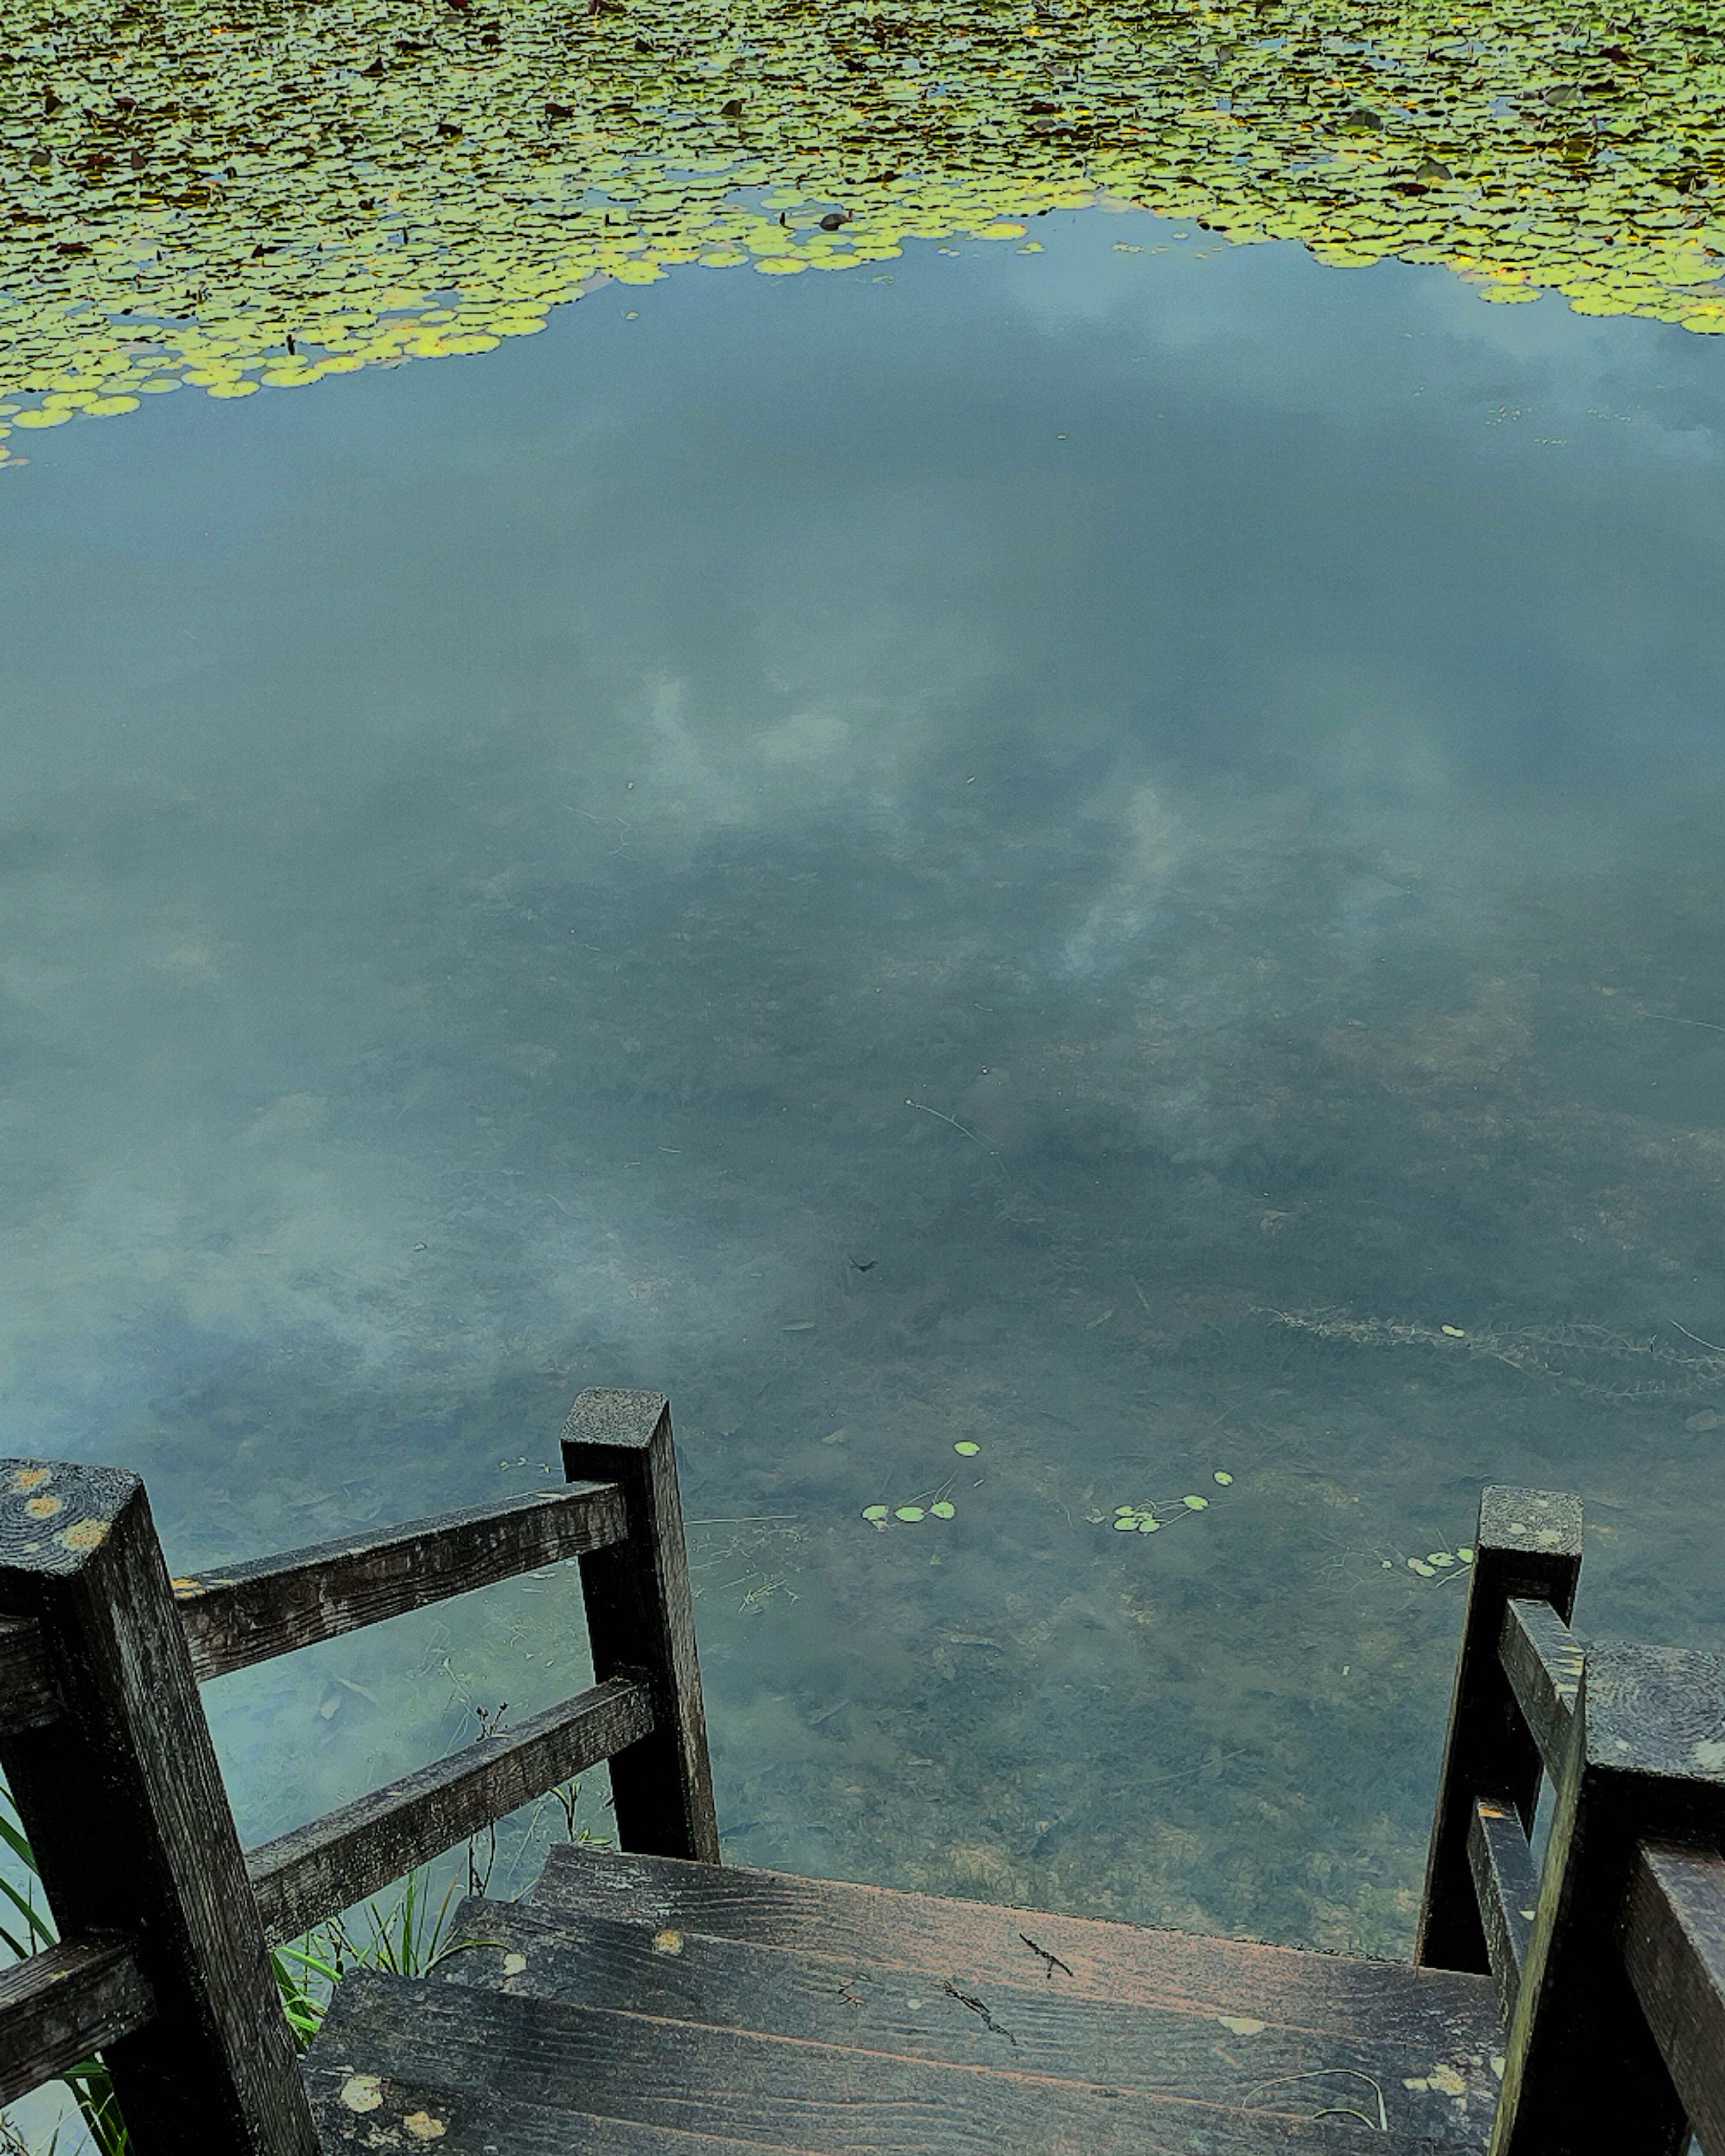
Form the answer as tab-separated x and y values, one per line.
1042	1954
1666	1018
923	1108
1711	1345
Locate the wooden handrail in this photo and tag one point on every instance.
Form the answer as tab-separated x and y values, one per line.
1527	1547
64	2003
1508	1883
303	1878
1673	1934
238	1614
1542	1659
122	1801
105	1747
29	1698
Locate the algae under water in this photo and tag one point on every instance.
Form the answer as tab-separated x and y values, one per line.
1044	884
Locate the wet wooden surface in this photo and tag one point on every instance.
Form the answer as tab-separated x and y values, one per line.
985	1943
1032	2026
767	2093
645	1995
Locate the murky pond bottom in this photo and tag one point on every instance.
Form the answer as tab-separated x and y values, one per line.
1030	883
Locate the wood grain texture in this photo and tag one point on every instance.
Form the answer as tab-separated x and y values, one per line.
418	2113
1584	2072
124	1804
303	1877
976	1944
240	1614
1528	1544
640	1616
1673	1937
765	2091
1032	2026
1506	1882
64	2003
29	1698
1542	1659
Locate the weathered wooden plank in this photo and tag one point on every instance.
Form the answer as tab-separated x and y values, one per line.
64	2003
1542	1660
1506	1881
356	2110
1033	2025
124	1806
303	1877
1584	2071
767	2093
1528	1544
976	1944
29	1698
1673	1934
240	1614
640	1616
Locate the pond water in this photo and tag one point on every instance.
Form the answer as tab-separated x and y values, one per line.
1108	857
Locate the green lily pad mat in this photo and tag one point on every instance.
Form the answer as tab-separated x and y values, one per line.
231	195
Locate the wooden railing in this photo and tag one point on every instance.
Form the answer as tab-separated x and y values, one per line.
1609	1957
165	1924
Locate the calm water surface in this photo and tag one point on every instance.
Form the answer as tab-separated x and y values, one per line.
1111	856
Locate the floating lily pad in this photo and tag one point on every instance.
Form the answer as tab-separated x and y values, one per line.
288	184
942	1509
911	1512
874	1511
965	1448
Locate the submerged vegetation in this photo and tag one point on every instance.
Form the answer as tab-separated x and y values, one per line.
232	195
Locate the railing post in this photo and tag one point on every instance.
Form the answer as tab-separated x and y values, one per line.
641	1621
1583	2072
123	1802
1528	1544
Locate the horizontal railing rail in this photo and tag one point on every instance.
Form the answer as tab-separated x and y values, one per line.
63	2003
236	1616
1542	1659
167	1924
307	1876
1507	1883
1608	1959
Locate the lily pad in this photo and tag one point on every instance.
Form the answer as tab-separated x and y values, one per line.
298	186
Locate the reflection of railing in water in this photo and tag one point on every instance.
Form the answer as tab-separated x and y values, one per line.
162	1964
1607	1962
1579	1356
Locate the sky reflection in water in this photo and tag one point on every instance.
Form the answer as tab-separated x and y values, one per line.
493	852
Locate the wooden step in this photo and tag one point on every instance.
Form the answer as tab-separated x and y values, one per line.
1433	2015
1034	2026
402	2058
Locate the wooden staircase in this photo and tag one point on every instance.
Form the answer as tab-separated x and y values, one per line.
653	2001
633	2004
